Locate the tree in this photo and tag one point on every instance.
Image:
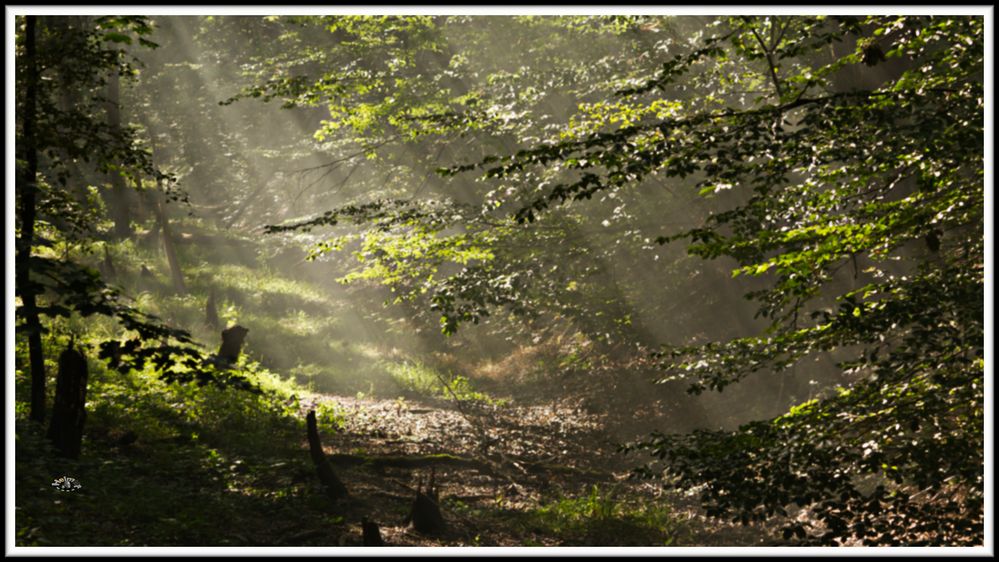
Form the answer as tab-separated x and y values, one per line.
118	196
27	211
65	140
874	180
843	161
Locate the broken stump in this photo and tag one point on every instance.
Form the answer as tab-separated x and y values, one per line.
69	410
334	487
371	534
426	514
232	343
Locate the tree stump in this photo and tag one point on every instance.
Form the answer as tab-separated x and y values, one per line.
334	487
69	411
426	514
232	344
371	534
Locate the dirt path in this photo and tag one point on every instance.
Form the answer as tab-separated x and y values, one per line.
507	475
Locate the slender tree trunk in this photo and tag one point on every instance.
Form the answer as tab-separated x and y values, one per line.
118	198
163	220
70	97
29	189
176	273
211	310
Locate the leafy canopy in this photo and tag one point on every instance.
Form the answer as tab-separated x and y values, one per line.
843	158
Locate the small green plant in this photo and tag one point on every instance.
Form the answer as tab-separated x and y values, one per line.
400	403
602	518
330	418
575	360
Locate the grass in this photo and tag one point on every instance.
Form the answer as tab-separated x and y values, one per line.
600	518
201	456
423	380
597	517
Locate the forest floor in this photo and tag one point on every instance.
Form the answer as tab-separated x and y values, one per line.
539	475
506	475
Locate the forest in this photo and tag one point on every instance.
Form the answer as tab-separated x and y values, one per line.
498	281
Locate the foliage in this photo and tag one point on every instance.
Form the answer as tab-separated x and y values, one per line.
197	455
827	196
329	418
596	517
601	518
76	53
171	351
842	161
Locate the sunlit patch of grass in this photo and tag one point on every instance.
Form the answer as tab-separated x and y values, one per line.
304	324
271	341
598	517
294	326
269	381
267	287
92	328
344	371
424	380
182	310
369	351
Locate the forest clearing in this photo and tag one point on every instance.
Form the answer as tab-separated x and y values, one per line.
449	280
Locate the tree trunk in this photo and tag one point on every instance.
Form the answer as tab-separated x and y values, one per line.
334	487
27	212
176	273
69	411
211	310
70	97
107	267
157	202
118	198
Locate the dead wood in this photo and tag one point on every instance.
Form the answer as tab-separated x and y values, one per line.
69	410
408	461
232	343
426	514
334	487
370	533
